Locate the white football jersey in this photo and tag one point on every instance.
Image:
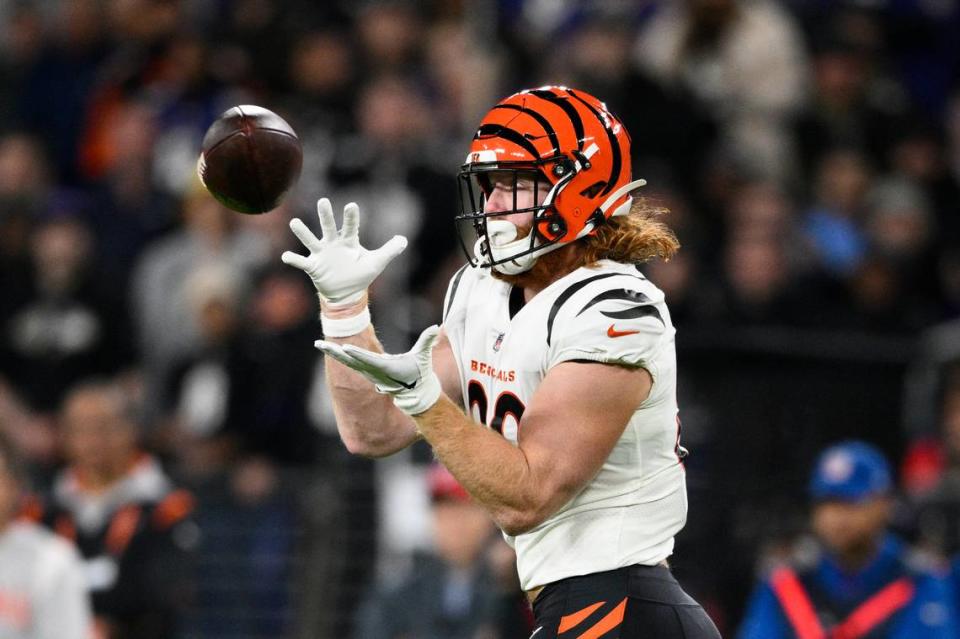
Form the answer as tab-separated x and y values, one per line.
43	593
631	510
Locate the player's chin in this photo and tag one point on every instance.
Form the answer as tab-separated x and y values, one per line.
509	279
544	270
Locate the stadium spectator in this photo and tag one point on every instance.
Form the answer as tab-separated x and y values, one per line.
132	526
166	330
919	155
213	395
757	282
43	593
858	580
745	61
271	404
131	209
320	75
899	227
72	324
455	592
199	394
851	105
247	383
24	174
833	221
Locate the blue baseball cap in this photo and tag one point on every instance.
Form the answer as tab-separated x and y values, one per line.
850	471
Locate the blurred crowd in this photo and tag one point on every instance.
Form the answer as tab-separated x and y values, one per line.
156	366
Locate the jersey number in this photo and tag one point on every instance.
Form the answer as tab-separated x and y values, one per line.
507	404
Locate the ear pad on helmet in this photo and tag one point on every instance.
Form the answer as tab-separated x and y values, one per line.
552	227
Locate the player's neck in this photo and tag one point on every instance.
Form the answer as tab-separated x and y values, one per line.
97	479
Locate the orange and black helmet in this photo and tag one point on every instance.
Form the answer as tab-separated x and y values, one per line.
570	143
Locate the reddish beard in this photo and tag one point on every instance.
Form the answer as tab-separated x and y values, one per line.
547	269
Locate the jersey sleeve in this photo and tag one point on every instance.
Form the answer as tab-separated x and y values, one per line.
616	324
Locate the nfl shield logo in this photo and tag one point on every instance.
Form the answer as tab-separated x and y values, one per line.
498	342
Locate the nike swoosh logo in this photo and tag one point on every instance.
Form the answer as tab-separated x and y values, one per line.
612	332
404	384
536	631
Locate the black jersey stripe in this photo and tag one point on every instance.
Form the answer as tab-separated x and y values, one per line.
498	130
644	310
571	290
616	160
615	294
542	121
567	294
453	289
568	108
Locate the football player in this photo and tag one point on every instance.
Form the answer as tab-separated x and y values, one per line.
550	389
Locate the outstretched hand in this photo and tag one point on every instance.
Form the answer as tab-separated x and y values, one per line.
341	269
408	377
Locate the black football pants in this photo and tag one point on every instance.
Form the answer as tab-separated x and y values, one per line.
630	603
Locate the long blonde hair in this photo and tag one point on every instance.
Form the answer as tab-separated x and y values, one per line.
633	238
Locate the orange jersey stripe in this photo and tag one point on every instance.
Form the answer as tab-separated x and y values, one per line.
613	619
572	620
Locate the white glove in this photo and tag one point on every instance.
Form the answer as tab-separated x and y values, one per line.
340	268
408	377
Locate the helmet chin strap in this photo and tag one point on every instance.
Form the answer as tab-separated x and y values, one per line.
523	263
507	233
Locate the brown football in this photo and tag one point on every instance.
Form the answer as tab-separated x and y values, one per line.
250	159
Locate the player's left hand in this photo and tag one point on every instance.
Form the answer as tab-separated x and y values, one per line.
340	267
408	377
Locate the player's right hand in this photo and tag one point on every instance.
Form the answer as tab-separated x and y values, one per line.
340	268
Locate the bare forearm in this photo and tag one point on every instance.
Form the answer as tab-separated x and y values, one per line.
368	422
495	472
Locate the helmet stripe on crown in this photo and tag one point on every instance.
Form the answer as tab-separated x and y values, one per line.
498	130
568	108
616	160
542	121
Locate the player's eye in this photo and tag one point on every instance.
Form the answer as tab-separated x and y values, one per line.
485	184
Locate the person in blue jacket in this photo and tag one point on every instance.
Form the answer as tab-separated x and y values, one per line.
861	582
